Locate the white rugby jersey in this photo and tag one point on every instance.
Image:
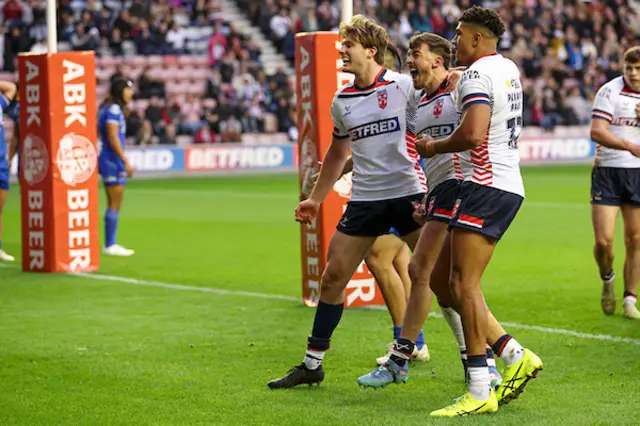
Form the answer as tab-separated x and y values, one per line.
380	120
615	103
495	81
438	118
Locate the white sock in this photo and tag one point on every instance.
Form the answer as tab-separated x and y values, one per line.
630	300
479	383
491	362
313	359
512	352
455	324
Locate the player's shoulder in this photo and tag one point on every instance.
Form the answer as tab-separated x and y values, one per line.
611	87
114	109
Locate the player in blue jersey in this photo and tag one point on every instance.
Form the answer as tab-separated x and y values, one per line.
112	162
13	112
7	92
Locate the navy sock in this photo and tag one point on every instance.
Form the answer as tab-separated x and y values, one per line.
498	346
402	351
397	331
626	293
327	319
420	340
607	277
110	227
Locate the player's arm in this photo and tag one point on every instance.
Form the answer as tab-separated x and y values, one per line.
471	132
113	134
14	142
332	167
8	89
601	134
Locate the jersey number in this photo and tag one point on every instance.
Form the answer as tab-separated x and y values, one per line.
514	124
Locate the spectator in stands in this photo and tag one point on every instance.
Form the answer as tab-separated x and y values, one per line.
231	129
13	11
205	135
190	112
148	86
153	114
145	136
83	40
279	26
176	38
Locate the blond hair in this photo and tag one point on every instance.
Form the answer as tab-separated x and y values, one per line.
369	34
437	45
632	55
392	59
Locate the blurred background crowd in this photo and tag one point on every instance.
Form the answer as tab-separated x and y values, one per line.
202	77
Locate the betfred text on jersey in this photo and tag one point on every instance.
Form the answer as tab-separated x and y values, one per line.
438	132
379	127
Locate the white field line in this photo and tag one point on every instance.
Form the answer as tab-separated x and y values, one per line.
170	286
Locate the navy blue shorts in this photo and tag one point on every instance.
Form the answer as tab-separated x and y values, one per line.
375	218
4	174
614	186
442	199
486	210
112	170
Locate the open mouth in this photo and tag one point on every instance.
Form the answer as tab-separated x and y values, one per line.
414	73
346	61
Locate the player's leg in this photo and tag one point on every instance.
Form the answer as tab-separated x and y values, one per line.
631	218
380	261
359	227
4	183
605	202
4	191
388	261
114	178
401	264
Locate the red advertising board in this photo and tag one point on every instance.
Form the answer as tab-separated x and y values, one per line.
58	145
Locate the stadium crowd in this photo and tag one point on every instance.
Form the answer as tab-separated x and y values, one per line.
238	96
566	49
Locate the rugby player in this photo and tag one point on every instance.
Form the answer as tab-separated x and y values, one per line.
374	117
112	162
489	97
7	93
615	181
428	59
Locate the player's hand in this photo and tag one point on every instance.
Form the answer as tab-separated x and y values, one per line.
307	211
420	211
633	148
453	78
638	110
129	169
425	146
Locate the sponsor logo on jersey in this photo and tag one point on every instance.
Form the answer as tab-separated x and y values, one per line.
626	122
439	131
383	97
375	128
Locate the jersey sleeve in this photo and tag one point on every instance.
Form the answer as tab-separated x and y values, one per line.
406	85
114	114
340	131
474	88
603	105
4	102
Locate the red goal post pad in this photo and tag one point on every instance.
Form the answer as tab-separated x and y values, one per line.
318	76
59	162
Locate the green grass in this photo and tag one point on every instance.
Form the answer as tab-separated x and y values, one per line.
77	351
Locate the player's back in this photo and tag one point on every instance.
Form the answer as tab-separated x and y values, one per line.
111	113
495	80
438	118
380	122
615	103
